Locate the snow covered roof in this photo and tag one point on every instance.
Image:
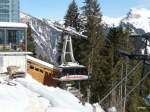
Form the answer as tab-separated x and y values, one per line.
71	64
41	62
14	53
12	25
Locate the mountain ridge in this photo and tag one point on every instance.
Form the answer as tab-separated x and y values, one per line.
47	36
137	18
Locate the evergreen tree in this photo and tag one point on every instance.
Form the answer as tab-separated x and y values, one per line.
72	16
117	39
135	100
93	27
30	41
92	47
72	19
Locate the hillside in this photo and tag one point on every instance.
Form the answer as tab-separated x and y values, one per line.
46	37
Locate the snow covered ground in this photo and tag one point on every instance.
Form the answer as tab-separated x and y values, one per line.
27	95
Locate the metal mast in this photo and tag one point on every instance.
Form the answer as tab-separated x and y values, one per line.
67	50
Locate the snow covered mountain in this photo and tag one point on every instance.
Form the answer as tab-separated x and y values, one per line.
137	18
46	37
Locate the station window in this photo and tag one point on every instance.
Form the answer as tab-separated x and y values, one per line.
12	39
32	67
37	69
2	39
41	71
16	39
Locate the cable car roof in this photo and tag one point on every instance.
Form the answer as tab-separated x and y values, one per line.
71	65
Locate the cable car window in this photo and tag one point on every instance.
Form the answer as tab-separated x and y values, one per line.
74	71
50	75
70	71
82	72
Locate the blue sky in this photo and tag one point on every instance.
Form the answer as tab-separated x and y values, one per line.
56	9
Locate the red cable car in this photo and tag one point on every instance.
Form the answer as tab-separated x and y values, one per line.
73	72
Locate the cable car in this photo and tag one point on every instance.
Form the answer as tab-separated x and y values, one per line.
70	70
73	72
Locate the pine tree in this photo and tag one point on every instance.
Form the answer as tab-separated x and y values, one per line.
92	47
93	26
72	19
117	39
72	16
31	47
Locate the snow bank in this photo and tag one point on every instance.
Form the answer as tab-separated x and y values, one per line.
111	21
56	96
97	108
112	109
27	95
19	99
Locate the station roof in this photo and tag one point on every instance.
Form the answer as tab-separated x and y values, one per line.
41	62
12	25
14	53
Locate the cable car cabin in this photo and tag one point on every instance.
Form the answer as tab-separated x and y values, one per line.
69	73
43	72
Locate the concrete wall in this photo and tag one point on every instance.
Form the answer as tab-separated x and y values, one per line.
19	61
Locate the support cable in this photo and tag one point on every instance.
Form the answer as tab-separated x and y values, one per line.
119	83
138	84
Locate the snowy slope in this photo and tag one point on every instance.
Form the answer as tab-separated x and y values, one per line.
46	36
110	22
137	18
20	99
27	95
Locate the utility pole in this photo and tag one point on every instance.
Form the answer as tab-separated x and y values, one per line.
144	62
121	88
125	87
